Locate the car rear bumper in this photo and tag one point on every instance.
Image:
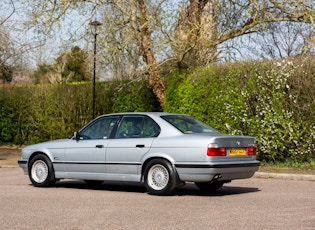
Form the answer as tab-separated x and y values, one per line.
224	172
23	165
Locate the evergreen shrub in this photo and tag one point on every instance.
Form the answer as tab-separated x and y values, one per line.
270	100
273	101
37	113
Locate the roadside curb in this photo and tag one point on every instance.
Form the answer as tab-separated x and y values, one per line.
8	166
301	177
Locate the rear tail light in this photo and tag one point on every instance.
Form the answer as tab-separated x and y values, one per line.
251	151
216	152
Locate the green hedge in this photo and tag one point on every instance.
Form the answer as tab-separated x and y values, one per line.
271	100
43	112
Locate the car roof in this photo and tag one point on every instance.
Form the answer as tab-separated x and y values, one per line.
143	113
140	113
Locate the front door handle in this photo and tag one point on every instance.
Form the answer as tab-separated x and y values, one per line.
99	146
140	146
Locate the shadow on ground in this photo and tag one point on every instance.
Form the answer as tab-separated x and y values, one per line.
188	190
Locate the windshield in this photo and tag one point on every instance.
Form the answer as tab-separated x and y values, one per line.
187	124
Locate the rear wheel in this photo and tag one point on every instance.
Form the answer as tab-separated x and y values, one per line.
210	186
160	177
41	171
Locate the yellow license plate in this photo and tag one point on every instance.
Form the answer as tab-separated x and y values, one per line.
237	152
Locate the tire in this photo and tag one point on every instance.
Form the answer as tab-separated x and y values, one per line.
160	178
209	186
41	171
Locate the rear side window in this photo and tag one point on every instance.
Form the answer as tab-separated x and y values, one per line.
187	124
137	126
150	128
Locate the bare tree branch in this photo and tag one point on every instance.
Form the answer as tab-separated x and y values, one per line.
12	12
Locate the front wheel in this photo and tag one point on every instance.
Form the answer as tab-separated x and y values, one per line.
41	171
160	178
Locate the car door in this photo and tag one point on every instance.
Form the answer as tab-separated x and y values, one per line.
85	155
133	139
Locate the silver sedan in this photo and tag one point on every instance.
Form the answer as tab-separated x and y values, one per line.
162	150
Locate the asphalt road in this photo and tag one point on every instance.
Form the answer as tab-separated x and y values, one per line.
243	204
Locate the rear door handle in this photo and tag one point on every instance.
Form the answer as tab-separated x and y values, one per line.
140	146
99	146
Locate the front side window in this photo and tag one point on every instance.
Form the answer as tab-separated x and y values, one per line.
100	129
187	124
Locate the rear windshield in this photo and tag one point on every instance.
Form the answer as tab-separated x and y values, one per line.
188	124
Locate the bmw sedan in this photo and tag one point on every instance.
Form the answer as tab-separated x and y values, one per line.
161	150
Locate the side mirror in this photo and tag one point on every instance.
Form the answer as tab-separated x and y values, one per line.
76	136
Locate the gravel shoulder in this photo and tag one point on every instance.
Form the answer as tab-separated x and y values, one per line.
9	155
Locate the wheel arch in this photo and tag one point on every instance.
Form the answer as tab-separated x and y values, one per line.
145	163
41	169
39	153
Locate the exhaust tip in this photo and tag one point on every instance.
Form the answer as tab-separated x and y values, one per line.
217	176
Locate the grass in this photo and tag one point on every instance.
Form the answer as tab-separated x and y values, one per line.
289	167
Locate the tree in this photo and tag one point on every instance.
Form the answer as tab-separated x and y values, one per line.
68	67
6	73
6	50
284	39
76	65
119	55
7	4
196	33
204	25
41	74
140	24
15	45
152	33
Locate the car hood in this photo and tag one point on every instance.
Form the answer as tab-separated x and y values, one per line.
48	144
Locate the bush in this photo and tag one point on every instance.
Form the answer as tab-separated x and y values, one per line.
272	117
134	96
34	114
271	100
